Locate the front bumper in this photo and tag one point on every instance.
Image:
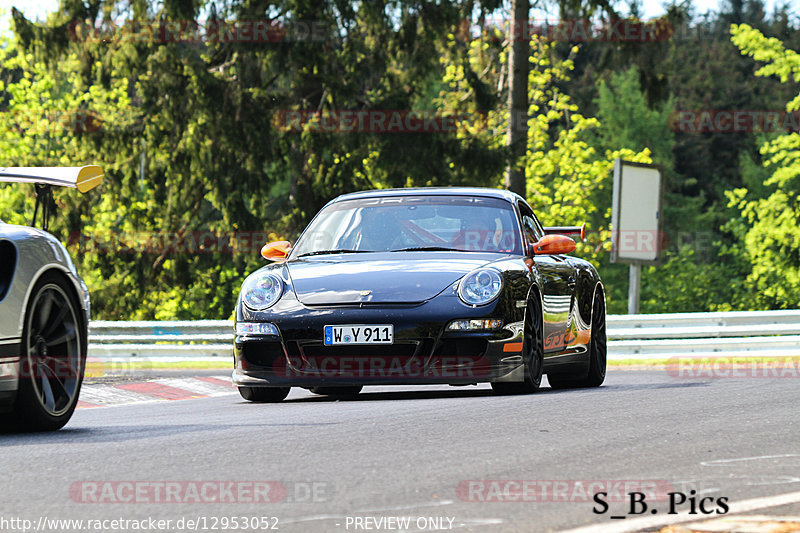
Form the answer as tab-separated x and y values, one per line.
423	351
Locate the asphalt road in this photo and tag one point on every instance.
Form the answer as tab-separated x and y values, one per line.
412	452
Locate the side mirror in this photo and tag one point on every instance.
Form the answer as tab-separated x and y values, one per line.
553	245
276	251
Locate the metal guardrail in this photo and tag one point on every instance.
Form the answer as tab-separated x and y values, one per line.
733	333
656	336
182	340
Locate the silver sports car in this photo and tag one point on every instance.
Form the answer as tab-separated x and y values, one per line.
44	310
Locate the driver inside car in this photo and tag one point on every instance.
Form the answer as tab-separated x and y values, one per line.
477	234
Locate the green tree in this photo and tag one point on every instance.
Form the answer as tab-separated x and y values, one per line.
770	231
692	249
205	115
568	178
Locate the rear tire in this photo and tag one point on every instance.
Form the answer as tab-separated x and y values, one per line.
337	392
53	357
598	351
264	394
533	347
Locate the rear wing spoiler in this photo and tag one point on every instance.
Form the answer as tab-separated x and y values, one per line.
567	230
82	178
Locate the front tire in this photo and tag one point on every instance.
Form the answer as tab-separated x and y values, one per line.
533	347
598	351
264	394
53	358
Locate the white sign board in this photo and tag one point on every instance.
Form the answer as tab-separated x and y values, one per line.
636	213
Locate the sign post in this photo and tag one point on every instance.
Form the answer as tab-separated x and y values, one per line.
634	288
636	221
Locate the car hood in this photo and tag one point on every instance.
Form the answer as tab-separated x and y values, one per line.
398	277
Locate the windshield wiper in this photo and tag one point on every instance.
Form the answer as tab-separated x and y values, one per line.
341	251
428	249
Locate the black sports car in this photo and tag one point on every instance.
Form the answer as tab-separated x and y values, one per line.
421	286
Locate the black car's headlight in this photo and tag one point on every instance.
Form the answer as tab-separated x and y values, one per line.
261	290
480	287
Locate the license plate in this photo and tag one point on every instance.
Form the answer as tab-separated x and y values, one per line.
366	334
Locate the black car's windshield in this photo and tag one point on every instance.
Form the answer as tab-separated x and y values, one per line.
412	223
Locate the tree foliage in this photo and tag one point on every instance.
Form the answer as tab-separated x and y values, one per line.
195	131
769	227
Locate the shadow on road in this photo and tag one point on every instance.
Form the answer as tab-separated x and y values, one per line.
125	433
411	394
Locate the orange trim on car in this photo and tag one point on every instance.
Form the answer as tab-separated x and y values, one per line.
512	347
